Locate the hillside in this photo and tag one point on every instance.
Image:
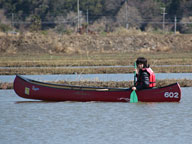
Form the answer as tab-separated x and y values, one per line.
64	14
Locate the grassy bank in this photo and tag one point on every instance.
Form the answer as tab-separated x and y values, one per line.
99	70
122	84
122	41
61	63
49	53
116	58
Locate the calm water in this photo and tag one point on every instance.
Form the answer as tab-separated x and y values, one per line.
95	77
35	122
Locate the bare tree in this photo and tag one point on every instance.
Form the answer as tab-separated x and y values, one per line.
129	14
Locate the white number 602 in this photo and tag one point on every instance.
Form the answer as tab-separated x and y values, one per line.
171	95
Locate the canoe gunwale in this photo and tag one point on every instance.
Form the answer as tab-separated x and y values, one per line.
72	87
69	87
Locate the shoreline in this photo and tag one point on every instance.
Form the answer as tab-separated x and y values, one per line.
89	70
114	62
111	84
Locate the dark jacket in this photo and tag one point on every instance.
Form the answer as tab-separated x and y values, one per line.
142	80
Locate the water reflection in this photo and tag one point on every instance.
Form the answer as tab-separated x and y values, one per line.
31	102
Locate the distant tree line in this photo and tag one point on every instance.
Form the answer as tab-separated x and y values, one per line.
142	14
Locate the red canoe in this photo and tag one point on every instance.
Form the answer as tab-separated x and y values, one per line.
32	89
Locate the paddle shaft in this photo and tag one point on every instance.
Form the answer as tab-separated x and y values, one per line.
135	74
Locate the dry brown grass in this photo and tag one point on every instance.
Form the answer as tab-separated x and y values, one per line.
111	84
99	70
160	58
120	41
119	48
125	84
53	64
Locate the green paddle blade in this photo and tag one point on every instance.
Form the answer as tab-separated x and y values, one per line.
133	97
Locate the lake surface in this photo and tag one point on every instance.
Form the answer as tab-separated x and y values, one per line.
95	77
36	122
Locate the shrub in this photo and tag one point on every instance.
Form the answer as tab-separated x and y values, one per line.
4	28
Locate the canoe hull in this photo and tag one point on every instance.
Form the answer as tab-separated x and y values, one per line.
31	89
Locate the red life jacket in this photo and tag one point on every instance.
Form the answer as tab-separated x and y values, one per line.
152	80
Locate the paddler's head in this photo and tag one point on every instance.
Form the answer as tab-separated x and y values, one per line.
141	62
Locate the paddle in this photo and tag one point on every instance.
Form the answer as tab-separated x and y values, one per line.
133	96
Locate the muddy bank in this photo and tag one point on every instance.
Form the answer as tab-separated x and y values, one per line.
99	70
121	41
111	84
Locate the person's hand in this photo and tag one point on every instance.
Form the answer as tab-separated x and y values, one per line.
133	88
136	70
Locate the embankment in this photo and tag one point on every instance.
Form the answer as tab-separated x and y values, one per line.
121	41
111	84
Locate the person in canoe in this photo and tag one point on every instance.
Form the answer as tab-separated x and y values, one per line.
145	75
